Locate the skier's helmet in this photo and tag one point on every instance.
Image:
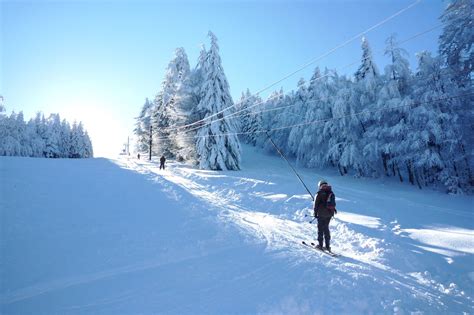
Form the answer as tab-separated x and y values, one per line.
322	182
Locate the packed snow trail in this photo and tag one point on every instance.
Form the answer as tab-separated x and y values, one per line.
259	201
91	236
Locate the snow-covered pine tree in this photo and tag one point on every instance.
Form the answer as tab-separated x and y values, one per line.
181	109
2	108
75	142
142	127
85	145
167	113
53	141
340	129
197	77
367	68
40	130
11	135
88	150
455	47
190	94
244	114
217	146
271	120
65	138
160	123
455	42
281	118
36	143
296	114
314	142
250	121
389	119
3	130
364	99
434	146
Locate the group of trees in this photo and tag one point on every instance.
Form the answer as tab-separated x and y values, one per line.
413	125
417	126
188	118
41	137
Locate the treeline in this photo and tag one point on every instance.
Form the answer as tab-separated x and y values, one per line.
192	98
414	125
42	137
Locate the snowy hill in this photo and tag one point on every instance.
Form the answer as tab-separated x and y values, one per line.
122	237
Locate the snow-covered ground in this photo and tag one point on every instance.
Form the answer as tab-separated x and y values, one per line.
100	236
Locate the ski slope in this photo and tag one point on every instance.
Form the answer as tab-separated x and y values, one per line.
100	236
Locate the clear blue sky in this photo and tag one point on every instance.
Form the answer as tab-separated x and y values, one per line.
96	61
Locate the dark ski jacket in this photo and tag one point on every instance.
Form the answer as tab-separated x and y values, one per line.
320	209
162	160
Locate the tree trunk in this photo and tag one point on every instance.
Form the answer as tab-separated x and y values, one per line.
399	174
417	179
340	170
384	161
410	173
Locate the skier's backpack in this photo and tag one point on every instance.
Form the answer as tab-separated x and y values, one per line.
331	203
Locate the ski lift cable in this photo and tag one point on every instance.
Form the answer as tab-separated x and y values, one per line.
242	112
328	74
327	119
291	166
312	61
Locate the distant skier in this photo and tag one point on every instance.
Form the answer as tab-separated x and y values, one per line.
162	162
138	155
324	209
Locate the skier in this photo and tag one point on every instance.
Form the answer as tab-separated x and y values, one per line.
324	209
162	162
138	155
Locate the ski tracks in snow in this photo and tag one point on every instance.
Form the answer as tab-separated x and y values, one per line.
237	200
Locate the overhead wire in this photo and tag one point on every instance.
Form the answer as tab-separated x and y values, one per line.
330	119
304	66
234	115
244	111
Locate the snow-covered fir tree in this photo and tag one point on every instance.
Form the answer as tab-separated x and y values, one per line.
367	68
142	127
217	144
53	140
295	114
313	144
273	106
363	102
389	116
457	52
171	105
80	142
65	138
182	110
339	128
436	129
455	42
250	122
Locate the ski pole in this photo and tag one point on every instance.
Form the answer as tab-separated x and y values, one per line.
314	218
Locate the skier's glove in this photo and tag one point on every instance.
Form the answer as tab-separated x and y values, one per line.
335	211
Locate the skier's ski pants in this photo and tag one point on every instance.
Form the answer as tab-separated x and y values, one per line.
323	231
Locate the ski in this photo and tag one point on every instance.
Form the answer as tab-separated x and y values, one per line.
313	246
